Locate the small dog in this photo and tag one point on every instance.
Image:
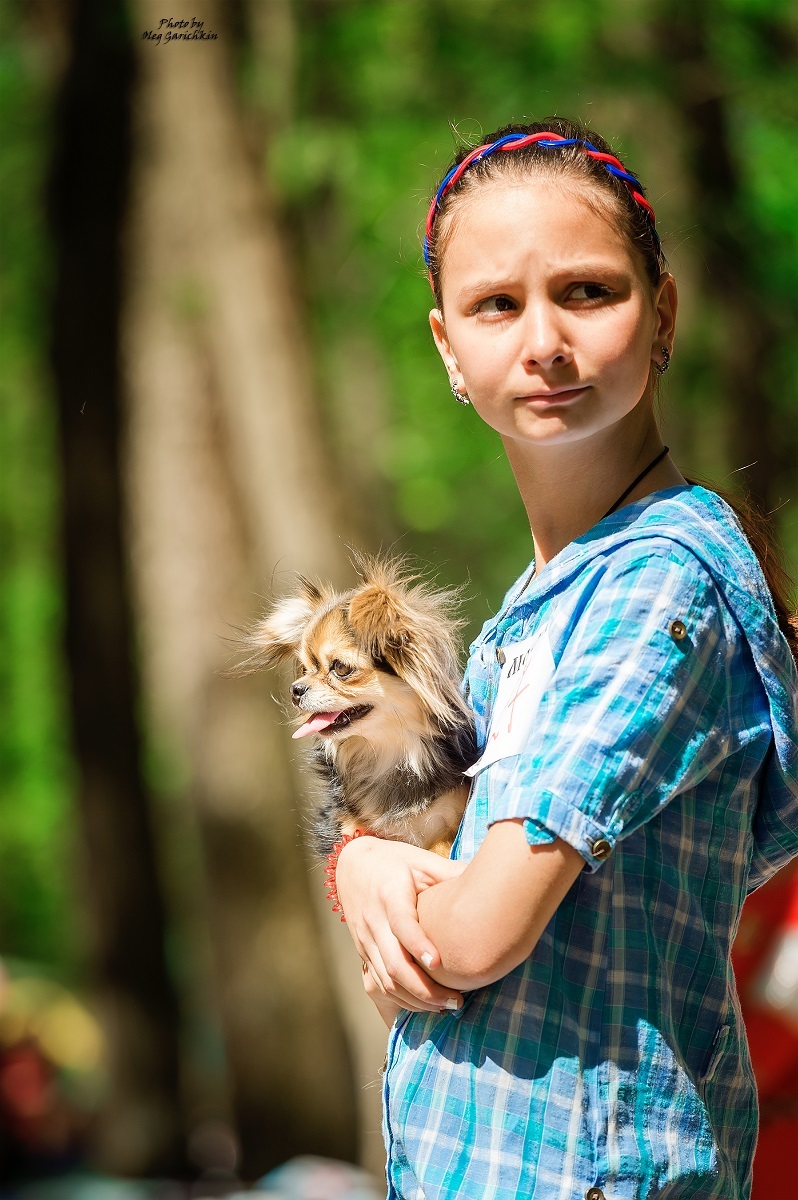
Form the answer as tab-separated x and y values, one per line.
379	689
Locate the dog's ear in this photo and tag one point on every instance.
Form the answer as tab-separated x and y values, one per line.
410	627
378	617
277	636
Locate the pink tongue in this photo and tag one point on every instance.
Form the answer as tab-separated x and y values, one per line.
318	721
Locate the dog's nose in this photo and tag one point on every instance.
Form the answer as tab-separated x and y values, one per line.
297	691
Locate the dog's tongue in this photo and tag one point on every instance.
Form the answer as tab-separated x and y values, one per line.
319	720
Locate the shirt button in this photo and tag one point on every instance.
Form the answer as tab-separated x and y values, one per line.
594	1194
601	850
501	657
678	630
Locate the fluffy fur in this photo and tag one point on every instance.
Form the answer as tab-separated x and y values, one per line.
378	689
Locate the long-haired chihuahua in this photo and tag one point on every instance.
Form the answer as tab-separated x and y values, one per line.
378	688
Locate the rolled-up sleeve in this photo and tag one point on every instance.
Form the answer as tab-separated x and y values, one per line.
636	711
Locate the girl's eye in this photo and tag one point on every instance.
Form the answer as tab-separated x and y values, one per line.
340	668
589	291
496	304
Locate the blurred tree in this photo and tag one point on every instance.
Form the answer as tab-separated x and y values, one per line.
228	478
140	1130
739	247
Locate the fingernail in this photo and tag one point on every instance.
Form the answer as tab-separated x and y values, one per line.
427	961
452	1004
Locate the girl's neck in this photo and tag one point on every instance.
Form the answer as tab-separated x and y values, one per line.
568	488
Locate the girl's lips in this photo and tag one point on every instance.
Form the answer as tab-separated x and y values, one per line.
561	396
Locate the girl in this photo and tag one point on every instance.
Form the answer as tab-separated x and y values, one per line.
565	1020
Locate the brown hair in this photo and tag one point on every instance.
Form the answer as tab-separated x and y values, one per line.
609	194
613	200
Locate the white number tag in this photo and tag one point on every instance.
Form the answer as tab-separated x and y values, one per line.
525	676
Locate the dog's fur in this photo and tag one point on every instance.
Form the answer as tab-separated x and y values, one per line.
384	652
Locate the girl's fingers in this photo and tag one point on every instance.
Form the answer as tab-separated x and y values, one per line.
375	992
432	868
410	935
401	979
403	998
387	1009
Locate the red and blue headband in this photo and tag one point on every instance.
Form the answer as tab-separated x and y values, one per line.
550	141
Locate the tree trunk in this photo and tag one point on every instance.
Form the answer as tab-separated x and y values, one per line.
228	481
140	1132
759	439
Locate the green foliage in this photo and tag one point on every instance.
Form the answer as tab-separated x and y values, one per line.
34	762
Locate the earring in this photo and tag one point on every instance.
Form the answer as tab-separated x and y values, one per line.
460	397
662	367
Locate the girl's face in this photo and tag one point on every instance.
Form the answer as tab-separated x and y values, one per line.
548	323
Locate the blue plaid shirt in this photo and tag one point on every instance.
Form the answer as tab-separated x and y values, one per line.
667	754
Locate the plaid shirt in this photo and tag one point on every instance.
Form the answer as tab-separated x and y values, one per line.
664	748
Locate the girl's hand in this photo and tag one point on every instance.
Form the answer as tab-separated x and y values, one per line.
378	883
388	1009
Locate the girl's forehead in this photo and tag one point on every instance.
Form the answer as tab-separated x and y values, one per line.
508	220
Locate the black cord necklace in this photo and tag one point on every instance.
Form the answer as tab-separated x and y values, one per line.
609	511
635	482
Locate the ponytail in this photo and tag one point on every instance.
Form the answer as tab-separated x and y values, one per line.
763	539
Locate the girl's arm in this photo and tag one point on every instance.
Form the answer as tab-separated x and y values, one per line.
466	930
489	919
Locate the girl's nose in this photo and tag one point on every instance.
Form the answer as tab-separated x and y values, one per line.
545	341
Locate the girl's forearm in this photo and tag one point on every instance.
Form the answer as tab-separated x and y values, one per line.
440	913
486	921
475	945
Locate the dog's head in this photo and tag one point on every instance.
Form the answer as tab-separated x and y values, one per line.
381	655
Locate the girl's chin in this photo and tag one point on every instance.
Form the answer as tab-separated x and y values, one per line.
557	427
526	425
552	431
522	445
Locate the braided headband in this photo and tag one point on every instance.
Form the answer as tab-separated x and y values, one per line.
550	141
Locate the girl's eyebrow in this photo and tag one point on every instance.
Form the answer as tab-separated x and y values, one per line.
577	270
484	285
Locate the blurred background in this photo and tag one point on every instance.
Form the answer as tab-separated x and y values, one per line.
217	371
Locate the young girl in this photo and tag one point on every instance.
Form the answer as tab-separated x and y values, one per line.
565	1020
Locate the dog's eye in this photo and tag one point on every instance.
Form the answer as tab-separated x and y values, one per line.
341	669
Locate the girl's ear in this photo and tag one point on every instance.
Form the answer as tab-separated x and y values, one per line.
444	348
666	302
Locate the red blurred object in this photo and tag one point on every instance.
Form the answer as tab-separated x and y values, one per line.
26	1086
31	1110
38	1131
769	927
